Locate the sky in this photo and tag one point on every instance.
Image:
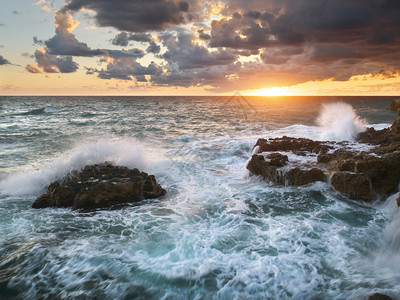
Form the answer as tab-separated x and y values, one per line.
193	47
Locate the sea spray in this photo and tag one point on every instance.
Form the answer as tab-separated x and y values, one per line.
339	122
31	182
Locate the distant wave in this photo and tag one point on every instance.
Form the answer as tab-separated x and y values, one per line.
41	111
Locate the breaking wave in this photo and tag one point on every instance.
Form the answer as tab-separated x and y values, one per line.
31	182
340	122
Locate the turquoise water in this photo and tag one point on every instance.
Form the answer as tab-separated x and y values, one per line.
217	234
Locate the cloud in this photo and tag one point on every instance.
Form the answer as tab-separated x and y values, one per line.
47	6
251	44
153	48
64	42
188	55
32	69
4	61
137	15
123	38
52	63
125	68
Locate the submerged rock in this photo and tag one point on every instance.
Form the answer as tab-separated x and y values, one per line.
100	186
367	175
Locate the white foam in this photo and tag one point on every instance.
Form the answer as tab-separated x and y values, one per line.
31	182
339	122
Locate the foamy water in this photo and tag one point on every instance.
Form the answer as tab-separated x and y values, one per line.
217	234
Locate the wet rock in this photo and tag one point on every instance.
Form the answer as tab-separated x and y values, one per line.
297	176
367	175
268	169
295	145
272	169
356	186
100	186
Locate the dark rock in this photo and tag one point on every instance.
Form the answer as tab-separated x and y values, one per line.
395	105
259	166
100	186
365	175
356	186
271	169
277	159
297	176
378	296
285	143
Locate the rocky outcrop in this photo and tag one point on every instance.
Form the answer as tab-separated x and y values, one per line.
394	105
366	175
100	186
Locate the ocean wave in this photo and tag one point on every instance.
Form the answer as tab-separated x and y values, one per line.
32	182
340	122
41	111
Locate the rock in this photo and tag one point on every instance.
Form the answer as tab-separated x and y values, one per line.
267	168
378	296
395	105
291	144
297	176
356	186
271	169
367	175
100	186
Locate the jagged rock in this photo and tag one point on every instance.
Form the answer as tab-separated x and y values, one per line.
295	145
365	175
100	186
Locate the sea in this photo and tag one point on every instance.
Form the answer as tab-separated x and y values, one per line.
218	233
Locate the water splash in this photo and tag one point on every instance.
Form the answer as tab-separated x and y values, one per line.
32	182
340	122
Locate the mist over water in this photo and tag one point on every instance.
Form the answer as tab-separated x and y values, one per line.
217	234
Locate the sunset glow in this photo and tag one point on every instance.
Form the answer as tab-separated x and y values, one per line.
198	48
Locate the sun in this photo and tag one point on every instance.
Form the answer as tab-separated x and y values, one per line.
274	91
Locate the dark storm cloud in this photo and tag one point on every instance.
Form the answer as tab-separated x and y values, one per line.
300	22
135	15
4	61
